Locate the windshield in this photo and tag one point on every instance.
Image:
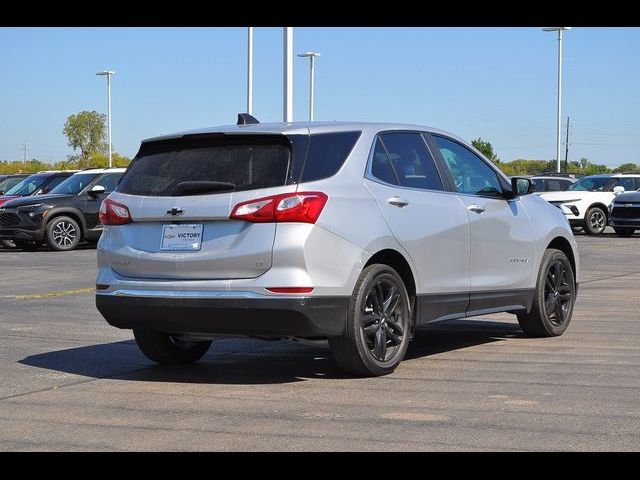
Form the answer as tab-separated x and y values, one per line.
75	184
9	182
593	184
28	186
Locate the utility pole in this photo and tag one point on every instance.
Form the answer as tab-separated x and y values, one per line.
566	149
25	154
288	74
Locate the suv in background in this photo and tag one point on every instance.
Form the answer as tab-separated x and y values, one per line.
353	232
9	181
64	217
586	202
624	213
551	183
36	184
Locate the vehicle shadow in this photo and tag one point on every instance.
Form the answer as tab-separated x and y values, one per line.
247	361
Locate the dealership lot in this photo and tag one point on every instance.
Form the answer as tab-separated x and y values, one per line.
68	381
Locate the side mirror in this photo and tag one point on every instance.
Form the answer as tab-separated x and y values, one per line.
96	190
618	190
519	186
43	191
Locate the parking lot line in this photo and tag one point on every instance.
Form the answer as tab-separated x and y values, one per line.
35	296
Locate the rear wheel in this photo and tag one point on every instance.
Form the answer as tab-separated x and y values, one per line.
164	348
595	221
377	330
624	231
553	299
63	234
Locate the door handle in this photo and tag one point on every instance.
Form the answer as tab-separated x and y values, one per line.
476	208
397	202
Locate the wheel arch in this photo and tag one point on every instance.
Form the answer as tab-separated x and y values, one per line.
562	244
400	264
68	212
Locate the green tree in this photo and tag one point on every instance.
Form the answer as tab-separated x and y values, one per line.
486	149
86	132
627	168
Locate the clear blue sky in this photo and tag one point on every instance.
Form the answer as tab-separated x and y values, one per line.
495	83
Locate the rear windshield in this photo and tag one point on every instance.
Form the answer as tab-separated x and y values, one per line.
159	171
211	164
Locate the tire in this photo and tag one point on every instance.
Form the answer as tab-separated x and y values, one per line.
554	297
63	234
7	244
380	347
163	348
624	231
26	245
595	221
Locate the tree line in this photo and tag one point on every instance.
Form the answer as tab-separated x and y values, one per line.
86	133
534	167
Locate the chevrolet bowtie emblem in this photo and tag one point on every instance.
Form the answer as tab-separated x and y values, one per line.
627	205
175	211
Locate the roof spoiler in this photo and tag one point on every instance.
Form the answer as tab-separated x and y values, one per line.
246	119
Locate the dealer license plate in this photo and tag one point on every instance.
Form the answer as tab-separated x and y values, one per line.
183	238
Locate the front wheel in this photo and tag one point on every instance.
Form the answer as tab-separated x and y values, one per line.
164	348
63	234
624	231
553	299
377	329
595	221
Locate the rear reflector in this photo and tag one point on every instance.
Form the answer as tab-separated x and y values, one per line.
304	207
290	289
100	286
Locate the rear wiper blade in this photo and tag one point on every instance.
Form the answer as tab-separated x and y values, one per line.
199	187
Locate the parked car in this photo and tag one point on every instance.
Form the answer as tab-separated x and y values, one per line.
353	232
36	184
585	202
10	180
62	218
551	183
624	213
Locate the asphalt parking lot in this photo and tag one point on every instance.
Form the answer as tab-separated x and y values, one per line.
69	381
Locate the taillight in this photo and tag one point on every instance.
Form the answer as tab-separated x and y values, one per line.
303	207
114	213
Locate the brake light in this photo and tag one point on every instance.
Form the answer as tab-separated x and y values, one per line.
113	213
303	207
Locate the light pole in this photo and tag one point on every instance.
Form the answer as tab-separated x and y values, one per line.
108	74
559	126
250	70
312	57
287	113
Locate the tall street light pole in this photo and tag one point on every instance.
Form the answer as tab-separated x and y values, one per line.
559	126
312	56
288	74
250	71
108	74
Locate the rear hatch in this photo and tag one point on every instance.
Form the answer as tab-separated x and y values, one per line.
180	194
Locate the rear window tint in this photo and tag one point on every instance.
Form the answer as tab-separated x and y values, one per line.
327	152
247	164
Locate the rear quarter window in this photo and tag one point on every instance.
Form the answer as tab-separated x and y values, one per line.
327	152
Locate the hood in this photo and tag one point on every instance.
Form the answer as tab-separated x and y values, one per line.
6	198
628	197
51	199
567	195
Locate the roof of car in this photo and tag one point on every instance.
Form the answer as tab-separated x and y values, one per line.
613	175
299	128
101	170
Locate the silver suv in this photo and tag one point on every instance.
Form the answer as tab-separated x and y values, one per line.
353	232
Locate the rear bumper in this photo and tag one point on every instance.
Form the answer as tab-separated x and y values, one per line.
252	315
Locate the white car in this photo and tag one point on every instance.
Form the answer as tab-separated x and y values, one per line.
585	203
